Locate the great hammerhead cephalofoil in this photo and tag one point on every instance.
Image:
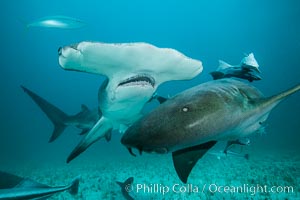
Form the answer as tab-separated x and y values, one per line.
133	72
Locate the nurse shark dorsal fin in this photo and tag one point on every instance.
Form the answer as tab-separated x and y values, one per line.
185	159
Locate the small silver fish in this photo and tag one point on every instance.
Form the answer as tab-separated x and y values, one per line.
59	22
222	154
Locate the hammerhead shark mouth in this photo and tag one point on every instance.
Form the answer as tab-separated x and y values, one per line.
138	80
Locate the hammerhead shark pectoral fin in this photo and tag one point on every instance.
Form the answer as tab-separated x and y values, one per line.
184	160
101	129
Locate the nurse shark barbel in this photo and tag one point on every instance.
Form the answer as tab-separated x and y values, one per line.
133	71
190	123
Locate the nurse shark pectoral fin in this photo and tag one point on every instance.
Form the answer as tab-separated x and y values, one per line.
185	159
102	128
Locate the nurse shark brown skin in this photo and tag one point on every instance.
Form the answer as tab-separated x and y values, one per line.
190	123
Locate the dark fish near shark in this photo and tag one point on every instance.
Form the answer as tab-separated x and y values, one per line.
126	187
13	187
84	120
190	123
248	69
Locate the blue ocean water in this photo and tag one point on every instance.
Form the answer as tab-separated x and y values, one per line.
207	30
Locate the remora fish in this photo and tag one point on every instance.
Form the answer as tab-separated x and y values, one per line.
133	71
13	187
58	21
247	69
83	120
190	123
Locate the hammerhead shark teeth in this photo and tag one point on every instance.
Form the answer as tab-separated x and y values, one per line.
138	80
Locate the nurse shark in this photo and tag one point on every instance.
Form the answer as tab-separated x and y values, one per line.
190	123
133	72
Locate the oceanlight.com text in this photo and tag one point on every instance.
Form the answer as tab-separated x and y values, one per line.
211	188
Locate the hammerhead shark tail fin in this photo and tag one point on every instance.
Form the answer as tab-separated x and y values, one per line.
102	129
57	116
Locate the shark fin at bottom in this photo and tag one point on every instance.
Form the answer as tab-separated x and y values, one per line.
185	159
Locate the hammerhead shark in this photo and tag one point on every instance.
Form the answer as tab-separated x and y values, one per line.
14	187
191	122
84	120
133	72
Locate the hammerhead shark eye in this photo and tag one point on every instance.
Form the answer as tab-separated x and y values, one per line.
185	109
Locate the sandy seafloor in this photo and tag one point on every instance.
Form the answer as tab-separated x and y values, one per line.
98	176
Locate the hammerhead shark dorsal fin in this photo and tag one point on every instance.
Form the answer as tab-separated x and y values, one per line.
124	186
185	159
